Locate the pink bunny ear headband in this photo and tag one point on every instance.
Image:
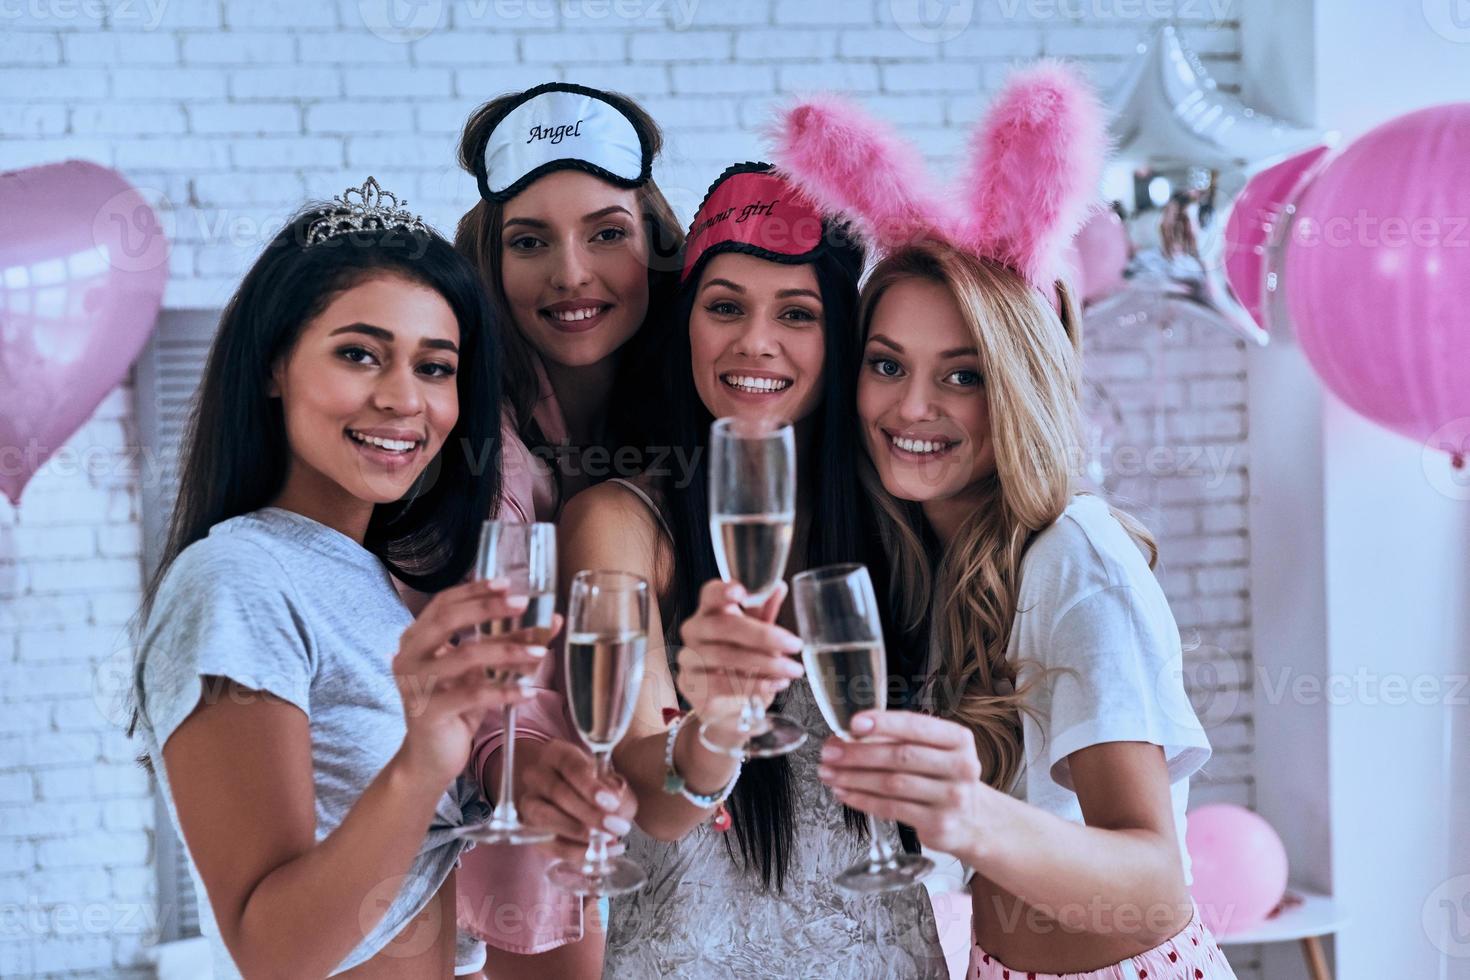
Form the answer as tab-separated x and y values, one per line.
1035	163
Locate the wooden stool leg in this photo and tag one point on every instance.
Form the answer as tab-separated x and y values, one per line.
1316	959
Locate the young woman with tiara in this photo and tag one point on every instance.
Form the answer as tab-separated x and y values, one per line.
311	771
578	250
740	859
1054	742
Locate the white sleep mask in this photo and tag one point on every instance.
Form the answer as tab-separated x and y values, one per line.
561	126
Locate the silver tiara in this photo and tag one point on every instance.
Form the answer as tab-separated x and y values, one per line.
365	208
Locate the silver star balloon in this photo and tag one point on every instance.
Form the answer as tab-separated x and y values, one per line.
1184	153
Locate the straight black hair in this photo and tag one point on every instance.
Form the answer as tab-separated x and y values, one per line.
761	807
235	453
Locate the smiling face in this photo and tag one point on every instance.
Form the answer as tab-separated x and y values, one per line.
368	393
921	397
757	338
574	266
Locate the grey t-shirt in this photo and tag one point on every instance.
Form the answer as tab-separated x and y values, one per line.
278	602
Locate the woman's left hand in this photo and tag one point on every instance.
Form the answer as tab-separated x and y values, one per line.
561	791
914	768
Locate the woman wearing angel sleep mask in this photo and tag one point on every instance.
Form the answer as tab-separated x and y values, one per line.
578	250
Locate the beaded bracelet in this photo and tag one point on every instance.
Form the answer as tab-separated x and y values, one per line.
674	783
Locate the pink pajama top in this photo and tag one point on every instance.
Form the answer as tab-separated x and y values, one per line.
503	895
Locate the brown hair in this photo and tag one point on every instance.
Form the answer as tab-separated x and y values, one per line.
478	238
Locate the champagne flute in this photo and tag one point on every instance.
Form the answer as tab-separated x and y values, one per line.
848	670
525	555
607	636
752	510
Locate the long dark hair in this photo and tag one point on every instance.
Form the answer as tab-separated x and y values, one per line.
235	453
761	807
631	414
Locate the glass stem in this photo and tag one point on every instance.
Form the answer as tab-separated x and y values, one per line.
880	854
597	840
505	806
752	713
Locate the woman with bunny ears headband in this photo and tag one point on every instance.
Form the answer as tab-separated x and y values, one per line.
1053	742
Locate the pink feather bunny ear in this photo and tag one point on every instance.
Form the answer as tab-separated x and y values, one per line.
854	166
1036	161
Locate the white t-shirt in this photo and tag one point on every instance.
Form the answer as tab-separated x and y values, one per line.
1089	603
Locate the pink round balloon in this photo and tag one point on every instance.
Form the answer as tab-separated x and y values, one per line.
1377	276
83	263
1102	254
1239	866
1253	221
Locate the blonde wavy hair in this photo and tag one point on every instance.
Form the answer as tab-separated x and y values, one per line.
1030	359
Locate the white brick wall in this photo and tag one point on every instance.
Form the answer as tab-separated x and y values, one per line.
228	112
76	816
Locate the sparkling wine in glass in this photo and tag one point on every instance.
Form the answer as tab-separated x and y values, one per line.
846	678
752	549
837	613
525	555
532	625
752	507
607	639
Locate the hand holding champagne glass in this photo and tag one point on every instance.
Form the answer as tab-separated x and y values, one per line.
525	556
607	637
752	507
837	613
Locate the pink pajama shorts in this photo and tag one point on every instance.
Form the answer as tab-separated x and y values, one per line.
1192	954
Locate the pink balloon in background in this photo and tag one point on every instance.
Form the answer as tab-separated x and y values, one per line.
1377	276
1254	219
1239	866
83	263
1101	249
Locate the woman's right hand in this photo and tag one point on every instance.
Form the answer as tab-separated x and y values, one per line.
730	653
444	684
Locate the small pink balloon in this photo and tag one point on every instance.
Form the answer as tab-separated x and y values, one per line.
1102	254
83	263
1253	221
1377	277
1239	866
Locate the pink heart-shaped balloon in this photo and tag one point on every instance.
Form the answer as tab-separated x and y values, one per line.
83	263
